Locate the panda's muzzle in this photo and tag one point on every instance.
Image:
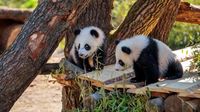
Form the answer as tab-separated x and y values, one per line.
82	56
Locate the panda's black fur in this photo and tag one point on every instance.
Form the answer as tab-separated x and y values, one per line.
146	66
97	58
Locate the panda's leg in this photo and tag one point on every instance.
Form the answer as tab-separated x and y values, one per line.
87	66
139	74
150	69
175	70
151	72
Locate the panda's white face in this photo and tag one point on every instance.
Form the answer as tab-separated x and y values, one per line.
88	40
128	51
123	59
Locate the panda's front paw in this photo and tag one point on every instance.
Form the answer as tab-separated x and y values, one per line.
134	80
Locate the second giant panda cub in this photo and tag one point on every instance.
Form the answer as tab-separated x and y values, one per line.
151	59
87	51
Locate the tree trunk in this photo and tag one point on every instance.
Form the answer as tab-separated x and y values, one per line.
36	42
96	14
141	19
166	21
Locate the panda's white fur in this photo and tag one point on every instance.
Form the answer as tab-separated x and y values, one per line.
137	44
150	58
83	38
165	56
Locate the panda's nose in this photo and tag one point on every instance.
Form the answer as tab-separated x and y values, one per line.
117	69
81	55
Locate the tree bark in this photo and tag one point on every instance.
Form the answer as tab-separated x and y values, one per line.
96	14
173	104
166	21
35	43
188	13
70	96
141	19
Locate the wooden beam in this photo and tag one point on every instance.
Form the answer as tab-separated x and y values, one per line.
185	53
71	70
14	14
49	68
188	13
188	86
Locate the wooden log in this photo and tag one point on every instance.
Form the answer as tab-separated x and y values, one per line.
8	32
14	14
177	104
72	70
173	104
70	96
157	103
192	106
71	90
49	68
188	13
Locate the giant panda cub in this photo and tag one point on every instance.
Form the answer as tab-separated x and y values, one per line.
151	59
87	51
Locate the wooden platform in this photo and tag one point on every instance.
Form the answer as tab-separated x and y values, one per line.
188	86
109	78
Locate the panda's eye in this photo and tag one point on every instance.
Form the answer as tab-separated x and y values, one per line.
121	63
78	46
87	47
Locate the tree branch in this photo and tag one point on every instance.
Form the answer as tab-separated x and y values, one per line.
14	14
188	13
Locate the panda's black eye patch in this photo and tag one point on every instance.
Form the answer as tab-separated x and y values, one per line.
77	32
121	63
87	47
78	46
94	33
126	50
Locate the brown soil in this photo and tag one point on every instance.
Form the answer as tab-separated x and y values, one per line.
43	95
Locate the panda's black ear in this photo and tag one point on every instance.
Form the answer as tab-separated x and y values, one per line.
117	42
126	50
77	32
94	33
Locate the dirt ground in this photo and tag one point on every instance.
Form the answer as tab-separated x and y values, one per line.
43	94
